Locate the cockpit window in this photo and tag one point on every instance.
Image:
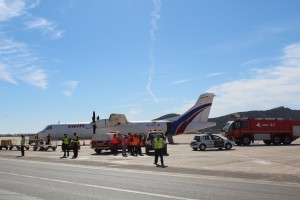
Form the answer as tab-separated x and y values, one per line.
48	127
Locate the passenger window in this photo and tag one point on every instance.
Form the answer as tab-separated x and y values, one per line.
206	137
214	137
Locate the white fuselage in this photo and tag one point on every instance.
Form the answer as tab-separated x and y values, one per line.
84	130
141	127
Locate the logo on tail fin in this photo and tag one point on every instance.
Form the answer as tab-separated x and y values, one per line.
180	125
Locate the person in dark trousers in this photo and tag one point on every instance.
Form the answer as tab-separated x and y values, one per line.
65	145
115	142
158	145
140	145
124	145
75	145
22	143
129	141
48	139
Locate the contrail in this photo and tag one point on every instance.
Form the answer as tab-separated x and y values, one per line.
154	18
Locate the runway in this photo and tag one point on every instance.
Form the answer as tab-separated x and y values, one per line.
25	179
254	172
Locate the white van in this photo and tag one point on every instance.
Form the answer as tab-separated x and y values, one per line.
149	140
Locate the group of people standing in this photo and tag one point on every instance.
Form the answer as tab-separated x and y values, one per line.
130	143
66	145
133	145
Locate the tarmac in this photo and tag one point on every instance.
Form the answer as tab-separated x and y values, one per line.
257	161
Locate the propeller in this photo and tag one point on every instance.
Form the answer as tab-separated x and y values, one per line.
94	122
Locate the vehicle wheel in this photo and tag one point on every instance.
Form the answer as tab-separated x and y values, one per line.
53	148
6	148
46	149
267	142
246	140
202	147
98	151
195	149
228	146
27	148
0	148
277	140
10	148
34	148
287	140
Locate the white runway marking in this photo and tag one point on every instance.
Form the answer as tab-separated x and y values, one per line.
182	175
98	186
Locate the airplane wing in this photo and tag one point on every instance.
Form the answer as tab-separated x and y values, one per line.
117	119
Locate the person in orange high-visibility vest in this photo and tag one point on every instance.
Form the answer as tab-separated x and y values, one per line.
134	143
115	142
140	144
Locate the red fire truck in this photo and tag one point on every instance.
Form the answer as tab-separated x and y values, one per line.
243	131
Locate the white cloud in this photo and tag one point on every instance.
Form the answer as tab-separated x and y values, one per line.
15	8
11	8
6	75
69	87
265	88
214	74
17	62
36	77
48	27
181	81
154	18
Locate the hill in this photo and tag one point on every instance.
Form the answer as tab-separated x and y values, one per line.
279	112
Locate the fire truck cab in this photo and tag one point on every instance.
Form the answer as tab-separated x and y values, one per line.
275	131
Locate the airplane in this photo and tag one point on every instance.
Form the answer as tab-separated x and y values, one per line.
192	120
57	131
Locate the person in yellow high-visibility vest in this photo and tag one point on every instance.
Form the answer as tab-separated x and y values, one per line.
158	145
75	147
22	143
65	145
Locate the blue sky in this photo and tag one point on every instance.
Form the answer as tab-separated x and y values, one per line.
60	60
